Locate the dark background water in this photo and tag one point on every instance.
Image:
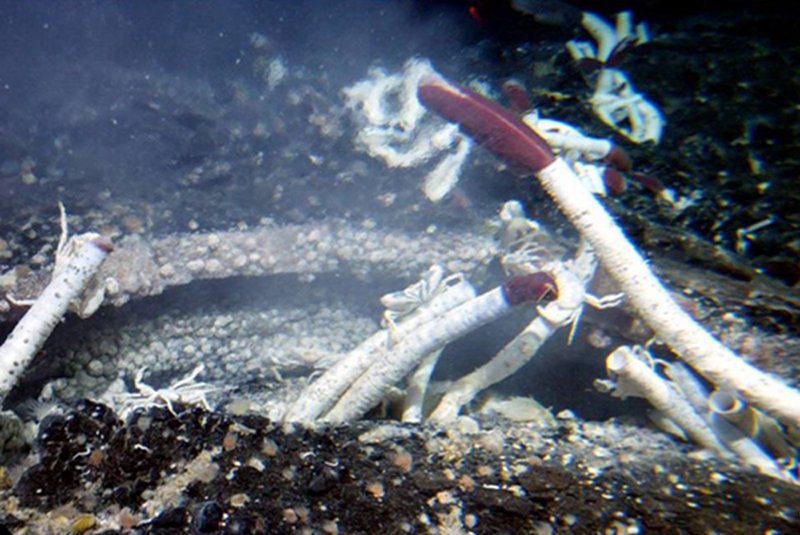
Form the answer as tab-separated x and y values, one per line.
211	38
339	37
124	96
127	96
113	105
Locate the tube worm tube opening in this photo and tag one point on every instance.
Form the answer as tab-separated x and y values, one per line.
533	287
723	402
617	361
734	410
488	123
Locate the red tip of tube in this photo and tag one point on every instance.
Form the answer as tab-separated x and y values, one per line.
488	123
618	158
614	181
103	244
590	64
516	96
533	287
649	182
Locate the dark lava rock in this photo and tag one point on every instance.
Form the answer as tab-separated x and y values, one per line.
200	472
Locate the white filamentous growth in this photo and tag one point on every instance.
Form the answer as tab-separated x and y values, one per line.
393	126
565	138
371	387
87	253
662	395
392	120
615	101
444	176
603	34
694	344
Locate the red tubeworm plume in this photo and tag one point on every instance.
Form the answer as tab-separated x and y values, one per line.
620	51
614	181
618	158
488	123
649	182
103	244
590	65
615	57
516	96
533	287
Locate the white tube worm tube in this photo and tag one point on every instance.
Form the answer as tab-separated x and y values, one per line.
689	385
85	254
520	350
370	388
693	343
512	140
732	409
623	27
662	395
746	448
755	425
564	137
325	390
414	402
511	358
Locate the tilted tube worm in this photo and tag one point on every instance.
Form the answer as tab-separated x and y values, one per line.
67	284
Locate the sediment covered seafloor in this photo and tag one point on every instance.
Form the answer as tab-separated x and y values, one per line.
253	238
